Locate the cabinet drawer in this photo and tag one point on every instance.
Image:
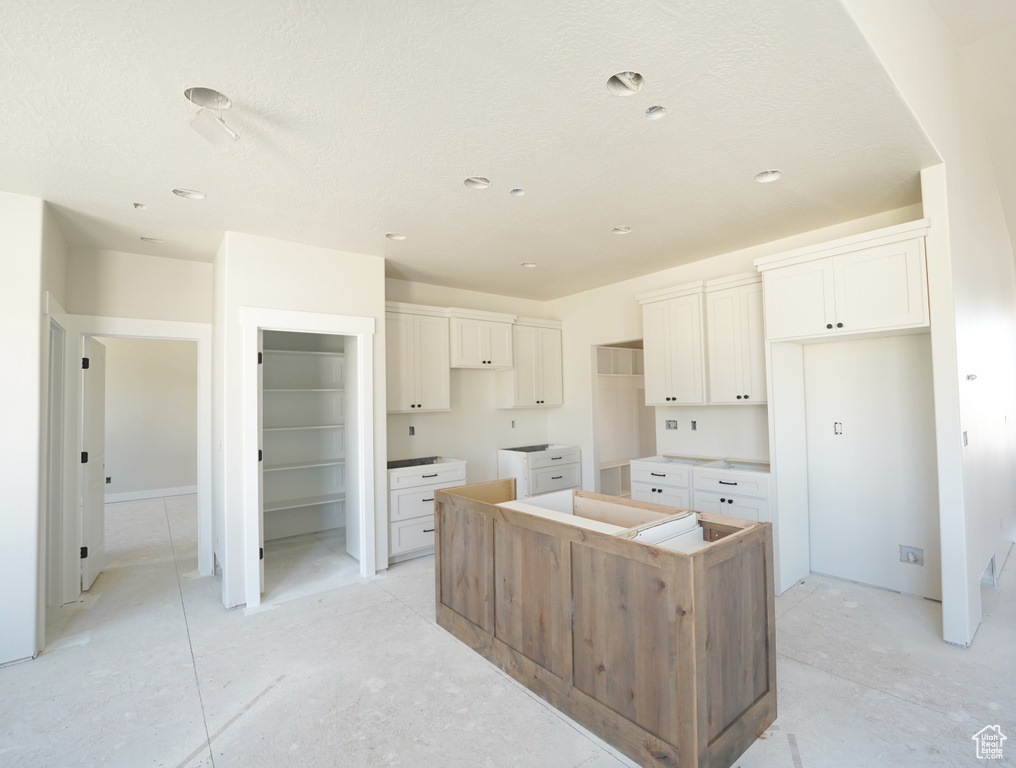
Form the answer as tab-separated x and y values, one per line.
671	497
726	481
661	474
430	474
732	506
414	502
554	458
408	535
556	478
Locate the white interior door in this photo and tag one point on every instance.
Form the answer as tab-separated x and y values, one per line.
93	463
260	460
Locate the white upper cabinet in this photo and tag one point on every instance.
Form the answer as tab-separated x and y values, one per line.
672	342
736	341
481	339
418	361
536	379
871	282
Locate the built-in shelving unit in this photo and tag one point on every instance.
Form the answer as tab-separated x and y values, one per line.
303	441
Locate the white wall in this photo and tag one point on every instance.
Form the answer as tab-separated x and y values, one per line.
116	284
151	417
973	302
611	314
252	271
21	227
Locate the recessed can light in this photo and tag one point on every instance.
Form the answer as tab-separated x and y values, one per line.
517	192
530	264
190	194
655	113
396	236
621	230
208	97
477	182
153	240
625	83
767	176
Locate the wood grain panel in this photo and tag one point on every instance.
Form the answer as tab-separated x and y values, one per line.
466	546
625	630
532	595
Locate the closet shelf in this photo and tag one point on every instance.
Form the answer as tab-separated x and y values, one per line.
311	501
305	389
313	426
304	464
302	354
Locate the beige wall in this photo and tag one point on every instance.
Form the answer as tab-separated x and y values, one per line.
116	284
151	416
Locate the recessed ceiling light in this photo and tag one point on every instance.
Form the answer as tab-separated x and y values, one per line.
621	230
530	264
153	240
517	192
208	97
655	113
766	176
139	206
477	182
396	236
190	194
625	83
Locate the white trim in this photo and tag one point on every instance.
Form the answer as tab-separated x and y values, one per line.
885	236
157	493
536	322
400	307
476	314
252	321
671	293
734	281
79	326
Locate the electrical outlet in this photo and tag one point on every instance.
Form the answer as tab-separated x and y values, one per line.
109	480
965	441
513	423
912	555
412	431
694	426
671	423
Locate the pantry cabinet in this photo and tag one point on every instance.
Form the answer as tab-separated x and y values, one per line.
417	360
736	341
481	339
672	341
881	287
535	381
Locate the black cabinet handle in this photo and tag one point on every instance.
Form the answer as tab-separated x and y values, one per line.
725	482
430	499
657	474
556	458
730	501
557	477
428	530
829	325
839	325
435	475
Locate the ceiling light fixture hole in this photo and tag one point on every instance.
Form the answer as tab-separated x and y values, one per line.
189	194
139	206
655	113
764	177
625	83
153	240
208	97
530	264
621	230
477	182
396	236
517	192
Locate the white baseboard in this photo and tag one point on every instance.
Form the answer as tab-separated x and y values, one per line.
154	494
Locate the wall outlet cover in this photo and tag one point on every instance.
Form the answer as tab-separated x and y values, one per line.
694	426
671	423
911	555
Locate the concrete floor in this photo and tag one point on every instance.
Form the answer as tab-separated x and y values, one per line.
148	669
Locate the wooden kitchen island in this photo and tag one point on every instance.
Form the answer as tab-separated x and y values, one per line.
668	655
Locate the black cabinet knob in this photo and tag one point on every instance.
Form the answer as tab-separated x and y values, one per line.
419	405
745	397
738	397
730	501
829	325
722	500
839	325
413	406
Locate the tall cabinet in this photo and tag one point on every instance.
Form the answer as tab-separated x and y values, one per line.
303	452
672	340
735	335
417	358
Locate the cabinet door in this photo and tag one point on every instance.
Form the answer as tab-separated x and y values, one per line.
800	300
644	492
726	357
551	389
881	287
469	342
732	506
527	366
499	345
687	373
401	363
656	346
432	364
753	344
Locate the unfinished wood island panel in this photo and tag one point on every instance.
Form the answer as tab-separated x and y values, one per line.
652	627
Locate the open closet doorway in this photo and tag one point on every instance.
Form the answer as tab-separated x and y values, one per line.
625	427
303	418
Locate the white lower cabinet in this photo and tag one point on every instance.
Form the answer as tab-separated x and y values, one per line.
734	489
541	468
661	481
411	503
732	506
660	494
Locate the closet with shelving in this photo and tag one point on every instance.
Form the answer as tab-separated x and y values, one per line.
625	425
303	426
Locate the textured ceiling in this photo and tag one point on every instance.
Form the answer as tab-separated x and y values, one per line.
361	118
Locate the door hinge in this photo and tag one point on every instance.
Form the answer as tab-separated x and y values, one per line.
261	553
260	358
84	363
84	457
261	454
84	552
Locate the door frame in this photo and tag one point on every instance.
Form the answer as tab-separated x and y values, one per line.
359	427
77	327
